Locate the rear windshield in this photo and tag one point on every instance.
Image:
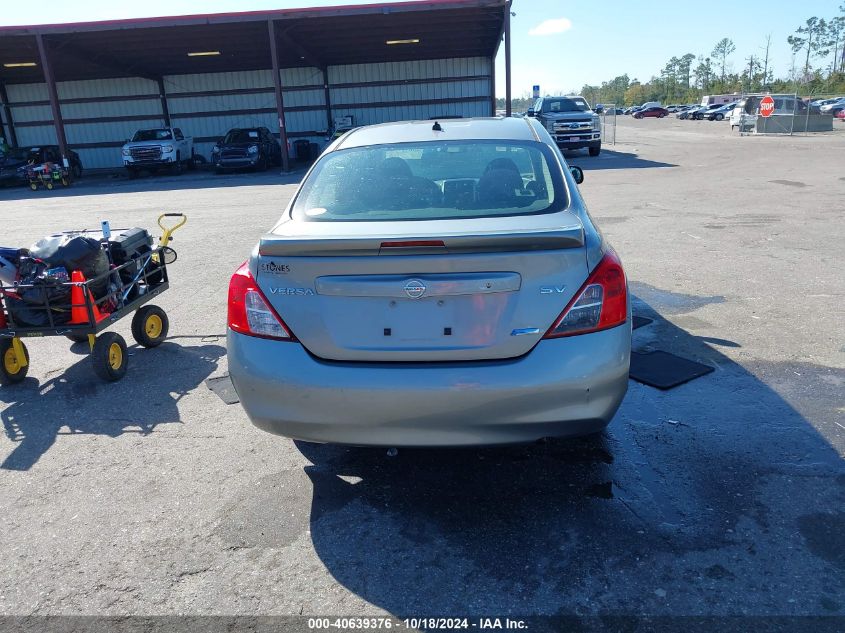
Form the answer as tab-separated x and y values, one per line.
432	180
153	135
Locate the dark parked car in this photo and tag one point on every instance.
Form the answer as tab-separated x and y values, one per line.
704	112
14	161
254	148
686	111
655	112
719	114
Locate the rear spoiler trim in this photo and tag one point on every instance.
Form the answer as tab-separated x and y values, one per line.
299	246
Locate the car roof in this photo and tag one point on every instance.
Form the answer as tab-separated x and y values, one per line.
489	128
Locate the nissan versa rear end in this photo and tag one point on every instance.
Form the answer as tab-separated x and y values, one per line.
432	284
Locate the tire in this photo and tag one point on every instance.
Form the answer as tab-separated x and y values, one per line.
132	172
595	151
11	371
49	184
77	171
149	326
191	162
77	338
33	186
262	163
109	356
177	166
720	117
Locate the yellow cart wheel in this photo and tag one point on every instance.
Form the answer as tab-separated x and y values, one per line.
49	184
149	326
33	186
109	356
13	368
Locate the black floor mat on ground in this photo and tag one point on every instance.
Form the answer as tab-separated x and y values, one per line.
223	387
664	370
640	321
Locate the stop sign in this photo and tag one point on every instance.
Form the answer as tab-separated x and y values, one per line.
767	106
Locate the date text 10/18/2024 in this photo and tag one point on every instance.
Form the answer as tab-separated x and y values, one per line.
428	624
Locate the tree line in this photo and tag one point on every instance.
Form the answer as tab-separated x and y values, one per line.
817	68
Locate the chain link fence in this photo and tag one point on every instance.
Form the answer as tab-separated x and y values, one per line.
790	115
608	124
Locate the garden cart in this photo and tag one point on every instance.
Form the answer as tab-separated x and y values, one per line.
57	302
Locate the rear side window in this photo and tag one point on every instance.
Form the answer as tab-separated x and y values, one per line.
432	180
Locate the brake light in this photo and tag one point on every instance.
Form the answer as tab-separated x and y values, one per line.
414	243
601	303
250	312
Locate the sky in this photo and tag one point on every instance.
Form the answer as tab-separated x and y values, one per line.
558	45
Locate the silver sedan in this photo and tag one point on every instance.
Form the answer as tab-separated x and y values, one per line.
432	284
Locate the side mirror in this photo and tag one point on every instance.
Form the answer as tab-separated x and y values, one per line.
577	174
531	112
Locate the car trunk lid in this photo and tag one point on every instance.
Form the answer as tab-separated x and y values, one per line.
423	290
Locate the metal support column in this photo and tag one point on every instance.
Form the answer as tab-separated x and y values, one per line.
328	99
508	59
165	111
54	96
492	86
12	139
280	101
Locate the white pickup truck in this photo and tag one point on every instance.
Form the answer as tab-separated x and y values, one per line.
156	148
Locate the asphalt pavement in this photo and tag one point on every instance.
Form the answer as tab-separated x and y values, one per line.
722	497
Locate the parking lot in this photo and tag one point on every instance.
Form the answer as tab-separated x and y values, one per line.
723	496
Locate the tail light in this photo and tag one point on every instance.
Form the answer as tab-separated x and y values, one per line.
250	312
601	303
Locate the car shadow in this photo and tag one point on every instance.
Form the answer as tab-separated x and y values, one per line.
691	502
611	159
76	401
101	184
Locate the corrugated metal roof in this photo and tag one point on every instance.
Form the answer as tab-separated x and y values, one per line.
152	47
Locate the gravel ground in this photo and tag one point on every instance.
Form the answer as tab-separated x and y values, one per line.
721	497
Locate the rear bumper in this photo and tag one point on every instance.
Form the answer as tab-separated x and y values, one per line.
564	387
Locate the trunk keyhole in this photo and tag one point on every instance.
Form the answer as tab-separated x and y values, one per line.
447	331
387	331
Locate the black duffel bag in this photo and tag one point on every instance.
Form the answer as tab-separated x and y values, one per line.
75	252
30	307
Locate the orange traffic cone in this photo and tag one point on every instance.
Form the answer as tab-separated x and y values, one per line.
78	307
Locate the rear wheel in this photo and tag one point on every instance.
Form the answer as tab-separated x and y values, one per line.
177	166
110	357
149	326
11	368
720	117
77	338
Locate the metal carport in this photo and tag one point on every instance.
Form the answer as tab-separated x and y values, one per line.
89	85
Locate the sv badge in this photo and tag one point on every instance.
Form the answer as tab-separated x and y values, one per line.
552	290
